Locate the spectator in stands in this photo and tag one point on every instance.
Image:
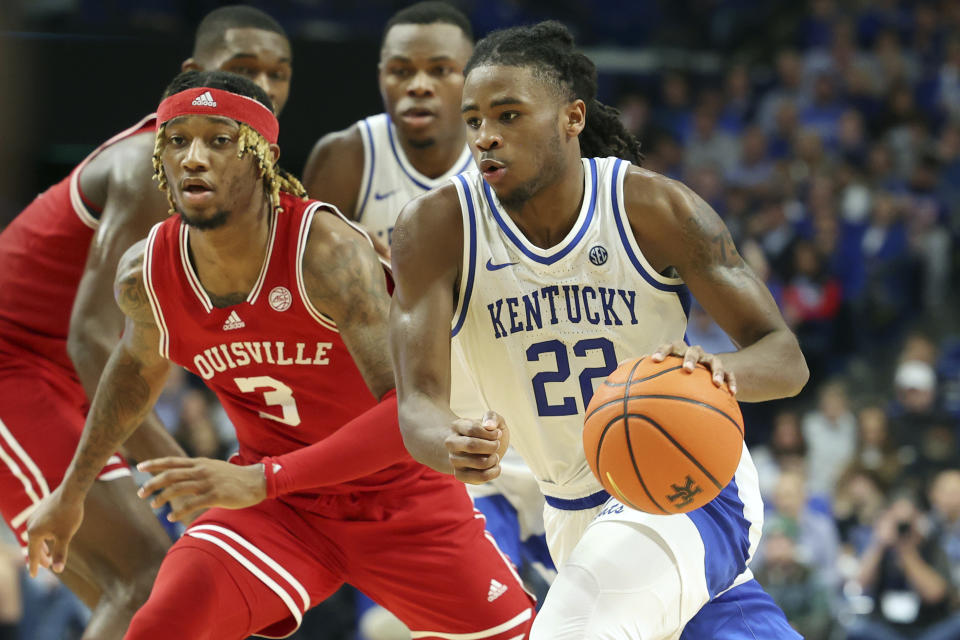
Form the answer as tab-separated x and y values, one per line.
823	113
739	102
755	169
818	543
811	306
831	435
793	584
788	89
706	144
876	449
785	451
673	113
945	514
857	504
908	575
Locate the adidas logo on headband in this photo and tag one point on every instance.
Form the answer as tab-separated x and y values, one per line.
204	100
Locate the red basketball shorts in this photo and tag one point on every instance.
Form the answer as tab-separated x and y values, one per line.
421	551
42	412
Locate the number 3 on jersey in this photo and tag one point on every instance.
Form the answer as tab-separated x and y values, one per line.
275	394
583	349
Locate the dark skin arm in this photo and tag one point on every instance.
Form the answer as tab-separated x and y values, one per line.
427	253
132	381
674	227
334	173
345	281
123	178
334	170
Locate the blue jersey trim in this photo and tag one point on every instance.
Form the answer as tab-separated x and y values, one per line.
578	504
472	264
562	252
373	159
624	239
466	165
725	532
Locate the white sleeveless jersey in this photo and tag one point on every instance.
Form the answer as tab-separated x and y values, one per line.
389	179
539	329
390	182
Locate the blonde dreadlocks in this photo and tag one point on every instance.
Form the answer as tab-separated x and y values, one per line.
274	178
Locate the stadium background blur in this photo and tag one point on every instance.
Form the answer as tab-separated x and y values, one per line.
825	132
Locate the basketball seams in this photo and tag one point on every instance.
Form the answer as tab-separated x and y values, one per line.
706	405
679	447
633	460
623	398
619	495
650	377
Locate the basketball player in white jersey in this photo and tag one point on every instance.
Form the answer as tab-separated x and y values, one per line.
377	165
373	168
555	268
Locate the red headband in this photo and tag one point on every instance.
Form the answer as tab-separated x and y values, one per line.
217	102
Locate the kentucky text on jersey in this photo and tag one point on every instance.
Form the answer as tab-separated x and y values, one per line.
232	355
570	303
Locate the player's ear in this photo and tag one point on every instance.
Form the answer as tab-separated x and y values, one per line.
575	117
190	65
275	150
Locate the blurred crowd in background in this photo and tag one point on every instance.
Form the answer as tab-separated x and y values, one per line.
828	138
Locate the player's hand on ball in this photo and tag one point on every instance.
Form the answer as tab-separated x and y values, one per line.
476	447
192	484
49	531
692	356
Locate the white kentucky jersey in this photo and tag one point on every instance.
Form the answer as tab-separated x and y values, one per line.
389	178
539	328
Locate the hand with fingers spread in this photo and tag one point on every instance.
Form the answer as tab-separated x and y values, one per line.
476	447
50	529
692	356
192	484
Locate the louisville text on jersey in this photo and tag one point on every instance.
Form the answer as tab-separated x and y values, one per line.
232	355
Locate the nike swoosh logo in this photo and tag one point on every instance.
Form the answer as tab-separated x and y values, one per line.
494	267
381	196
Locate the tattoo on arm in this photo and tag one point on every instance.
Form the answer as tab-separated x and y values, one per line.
133	375
121	403
345	281
709	245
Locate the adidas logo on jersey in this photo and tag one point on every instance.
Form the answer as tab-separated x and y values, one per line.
204	100
497	589
233	322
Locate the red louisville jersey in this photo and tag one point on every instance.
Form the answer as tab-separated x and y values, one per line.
42	256
277	364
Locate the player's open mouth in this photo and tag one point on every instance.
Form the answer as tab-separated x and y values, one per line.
196	190
418	116
492	170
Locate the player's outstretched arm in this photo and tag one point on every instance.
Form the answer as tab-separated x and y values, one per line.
674	227
334	170
427	254
132	380
133	205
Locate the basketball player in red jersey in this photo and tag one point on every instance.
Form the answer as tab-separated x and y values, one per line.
281	306
112	199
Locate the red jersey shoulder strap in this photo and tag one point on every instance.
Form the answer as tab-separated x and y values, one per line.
150	254
79	203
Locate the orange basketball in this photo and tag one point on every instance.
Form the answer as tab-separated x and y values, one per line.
662	440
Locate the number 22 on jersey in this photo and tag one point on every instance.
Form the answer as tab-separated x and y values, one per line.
586	348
